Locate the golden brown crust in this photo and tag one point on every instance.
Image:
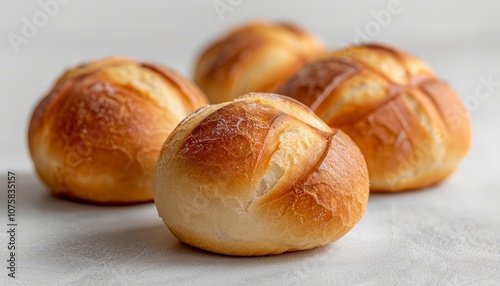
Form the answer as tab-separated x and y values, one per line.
259	175
193	96
97	134
395	109
228	144
254	57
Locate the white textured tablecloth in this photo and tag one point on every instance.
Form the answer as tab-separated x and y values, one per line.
449	234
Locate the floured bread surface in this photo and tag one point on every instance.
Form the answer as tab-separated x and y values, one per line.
259	175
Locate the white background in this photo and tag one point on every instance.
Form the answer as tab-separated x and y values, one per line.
447	234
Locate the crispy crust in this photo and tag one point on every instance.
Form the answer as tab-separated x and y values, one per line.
410	126
259	175
256	57
96	136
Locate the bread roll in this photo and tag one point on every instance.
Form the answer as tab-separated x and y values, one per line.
410	125
259	175
97	134
254	57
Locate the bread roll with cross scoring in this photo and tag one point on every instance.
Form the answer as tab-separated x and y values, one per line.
256	56
259	175
97	134
410	125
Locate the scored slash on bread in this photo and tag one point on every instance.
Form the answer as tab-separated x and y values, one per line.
96	136
259	175
410	126
255	57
